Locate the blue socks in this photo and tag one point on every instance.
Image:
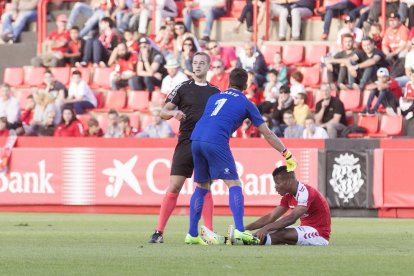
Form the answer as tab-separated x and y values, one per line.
236	202
196	207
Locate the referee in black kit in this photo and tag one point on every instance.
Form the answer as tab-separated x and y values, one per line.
185	103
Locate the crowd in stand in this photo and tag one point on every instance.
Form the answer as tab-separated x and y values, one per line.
115	36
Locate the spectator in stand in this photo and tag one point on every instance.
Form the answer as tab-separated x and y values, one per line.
47	128
150	69
125	72
252	91
4	127
279	66
97	10
271	92
364	64
330	113
180	34
127	16
349	28
375	33
227	55
186	56
296	85
69	126
251	59
44	105
93	129
55	88
394	44
165	38
113	130
80	95
174	78
9	107
159	128
408	65
406	10
375	11
75	48
406	102
292	130
337	69
312	131
301	109
126	129
210	9
247	15
22	13
283	103
360	13
54	46
98	49
163	9
27	113
130	42
296	10
382	90
220	78
342	6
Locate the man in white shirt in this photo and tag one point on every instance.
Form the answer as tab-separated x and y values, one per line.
210	9
175	76
80	95
312	131
9	107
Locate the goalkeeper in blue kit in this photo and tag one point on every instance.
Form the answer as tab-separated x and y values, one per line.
224	113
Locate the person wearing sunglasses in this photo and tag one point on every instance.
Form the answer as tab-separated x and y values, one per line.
227	55
220	77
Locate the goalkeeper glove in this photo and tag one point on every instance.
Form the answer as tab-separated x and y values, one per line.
290	162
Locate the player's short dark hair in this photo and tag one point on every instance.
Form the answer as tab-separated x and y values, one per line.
368	39
238	78
113	111
274	72
124	118
282	170
204	55
303	96
93	122
348	36
76	72
108	20
297	75
75	28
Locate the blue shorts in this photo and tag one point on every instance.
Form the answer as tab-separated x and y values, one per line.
212	161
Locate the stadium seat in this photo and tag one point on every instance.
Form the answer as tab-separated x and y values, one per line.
313	54
22	95
391	125
175	125
138	101
351	99
236	8
134	120
310	76
101	78
309	98
34	76
14	77
158	98
61	74
113	100
368	122
324	75
85	72
84	118
268	51
103	120
292	54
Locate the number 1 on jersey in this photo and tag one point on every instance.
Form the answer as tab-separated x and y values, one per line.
219	104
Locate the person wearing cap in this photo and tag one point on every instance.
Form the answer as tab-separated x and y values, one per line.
391	6
349	28
297	10
395	38
150	69
55	45
175	76
125	72
343	6
210	9
163	9
385	91
13	22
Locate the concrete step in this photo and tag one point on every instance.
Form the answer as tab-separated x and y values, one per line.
16	55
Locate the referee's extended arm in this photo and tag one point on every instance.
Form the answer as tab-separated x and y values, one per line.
169	110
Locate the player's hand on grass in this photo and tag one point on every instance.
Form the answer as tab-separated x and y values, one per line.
261	234
179	115
290	161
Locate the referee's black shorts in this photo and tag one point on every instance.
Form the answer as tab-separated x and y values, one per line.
182	163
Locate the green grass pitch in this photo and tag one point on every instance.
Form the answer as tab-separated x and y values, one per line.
89	244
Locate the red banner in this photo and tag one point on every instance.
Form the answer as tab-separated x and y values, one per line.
133	176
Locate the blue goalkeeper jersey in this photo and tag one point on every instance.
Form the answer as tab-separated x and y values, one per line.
224	113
